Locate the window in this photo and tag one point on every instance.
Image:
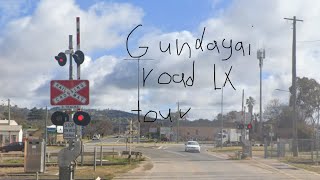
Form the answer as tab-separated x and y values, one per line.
13	138
192	143
197	132
6	140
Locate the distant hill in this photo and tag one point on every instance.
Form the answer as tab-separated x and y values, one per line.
117	118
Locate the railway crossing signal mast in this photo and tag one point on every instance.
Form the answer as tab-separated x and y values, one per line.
71	94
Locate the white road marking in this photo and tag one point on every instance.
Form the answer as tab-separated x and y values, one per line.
175	153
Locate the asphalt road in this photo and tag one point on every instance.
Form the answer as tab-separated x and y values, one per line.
171	162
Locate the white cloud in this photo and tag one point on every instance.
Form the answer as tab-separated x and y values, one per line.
29	44
42	35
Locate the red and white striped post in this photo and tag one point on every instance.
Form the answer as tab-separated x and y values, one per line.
78	45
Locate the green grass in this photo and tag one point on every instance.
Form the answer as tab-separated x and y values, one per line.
122	160
226	149
13	161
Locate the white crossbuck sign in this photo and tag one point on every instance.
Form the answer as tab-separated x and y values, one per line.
66	92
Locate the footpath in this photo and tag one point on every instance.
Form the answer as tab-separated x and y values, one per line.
272	164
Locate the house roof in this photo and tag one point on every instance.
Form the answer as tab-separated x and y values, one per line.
5	122
4	126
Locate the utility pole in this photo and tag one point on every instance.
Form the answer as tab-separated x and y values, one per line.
245	122
317	137
178	123
119	127
46	140
294	124
138	100
221	117
9	116
130	141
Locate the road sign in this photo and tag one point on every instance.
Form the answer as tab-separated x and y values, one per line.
69	92
69	130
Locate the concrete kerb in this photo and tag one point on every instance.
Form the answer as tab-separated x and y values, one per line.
138	144
262	161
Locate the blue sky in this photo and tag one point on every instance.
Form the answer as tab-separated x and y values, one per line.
171	15
167	15
38	30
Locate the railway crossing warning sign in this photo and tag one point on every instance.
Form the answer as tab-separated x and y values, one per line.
69	92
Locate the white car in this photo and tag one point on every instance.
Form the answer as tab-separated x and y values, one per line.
96	137
192	146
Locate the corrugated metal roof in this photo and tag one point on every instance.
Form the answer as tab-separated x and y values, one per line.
5	122
4	126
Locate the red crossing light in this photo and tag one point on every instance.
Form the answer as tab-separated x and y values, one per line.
61	58
81	118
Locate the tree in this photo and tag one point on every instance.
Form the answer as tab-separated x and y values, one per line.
250	103
307	101
101	127
36	114
273	110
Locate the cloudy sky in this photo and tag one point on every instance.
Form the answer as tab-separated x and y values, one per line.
33	32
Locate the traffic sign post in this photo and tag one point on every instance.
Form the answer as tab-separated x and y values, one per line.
70	94
69	130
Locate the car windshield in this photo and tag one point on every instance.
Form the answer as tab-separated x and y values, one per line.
192	143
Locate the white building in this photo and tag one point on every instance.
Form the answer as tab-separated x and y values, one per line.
10	132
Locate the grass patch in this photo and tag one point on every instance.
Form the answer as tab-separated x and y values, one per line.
13	161
238	148
226	149
81	172
104	172
121	159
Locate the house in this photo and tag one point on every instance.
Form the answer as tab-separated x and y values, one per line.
10	132
196	133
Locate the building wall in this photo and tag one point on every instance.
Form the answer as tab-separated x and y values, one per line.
9	137
196	133
20	136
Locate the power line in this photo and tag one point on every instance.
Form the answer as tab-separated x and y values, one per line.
309	41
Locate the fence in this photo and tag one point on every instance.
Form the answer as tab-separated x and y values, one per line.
102	155
308	149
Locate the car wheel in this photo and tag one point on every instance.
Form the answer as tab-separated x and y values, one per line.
3	150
